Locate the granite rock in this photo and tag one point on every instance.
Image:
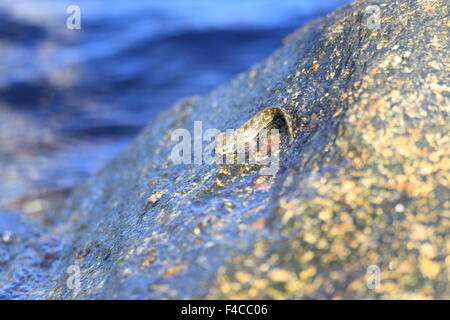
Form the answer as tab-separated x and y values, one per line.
362	194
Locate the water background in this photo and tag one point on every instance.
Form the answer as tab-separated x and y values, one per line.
72	99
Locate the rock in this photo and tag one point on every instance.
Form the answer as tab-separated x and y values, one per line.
361	196
27	256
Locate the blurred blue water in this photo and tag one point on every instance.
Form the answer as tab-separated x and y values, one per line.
71	99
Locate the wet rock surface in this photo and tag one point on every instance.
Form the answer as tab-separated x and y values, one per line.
366	182
27	255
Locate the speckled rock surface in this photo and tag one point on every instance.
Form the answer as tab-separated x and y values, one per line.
27	256
366	183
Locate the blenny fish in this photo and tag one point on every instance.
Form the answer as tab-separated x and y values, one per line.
271	117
